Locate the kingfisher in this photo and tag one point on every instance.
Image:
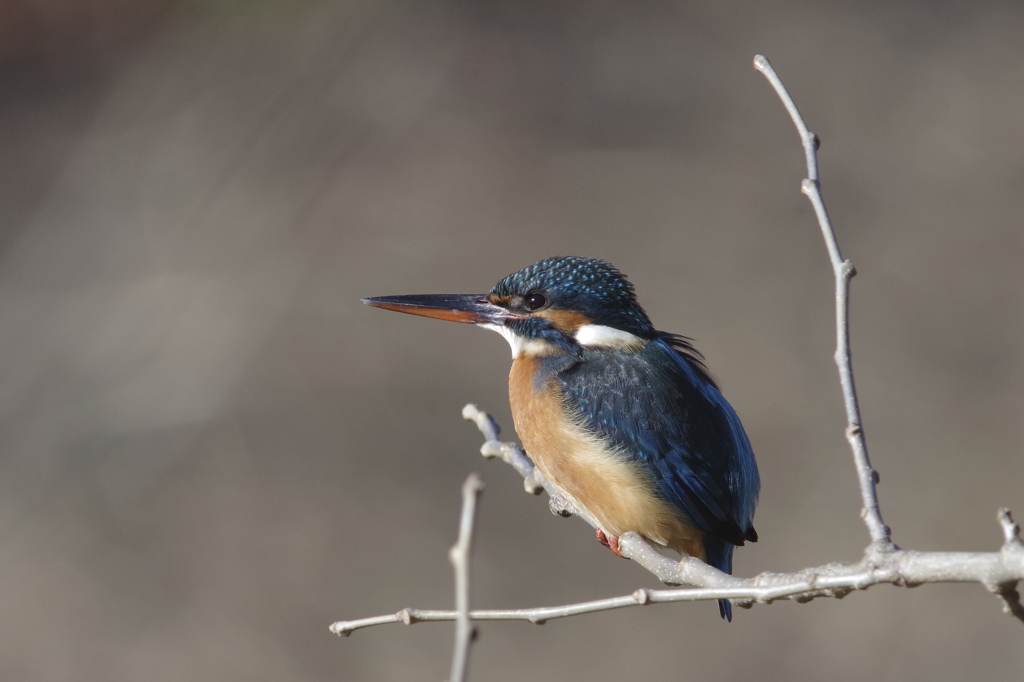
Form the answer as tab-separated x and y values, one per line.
625	421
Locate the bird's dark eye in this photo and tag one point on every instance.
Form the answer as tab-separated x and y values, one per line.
535	301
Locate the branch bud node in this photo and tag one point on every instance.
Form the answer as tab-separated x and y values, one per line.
1011	531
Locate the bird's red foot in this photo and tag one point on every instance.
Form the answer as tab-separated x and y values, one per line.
609	541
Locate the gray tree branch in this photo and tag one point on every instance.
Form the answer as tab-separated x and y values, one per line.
998	571
882	562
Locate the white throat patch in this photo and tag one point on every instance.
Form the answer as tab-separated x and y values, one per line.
598	335
588	335
518	343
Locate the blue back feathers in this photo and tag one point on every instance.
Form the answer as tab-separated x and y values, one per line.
659	407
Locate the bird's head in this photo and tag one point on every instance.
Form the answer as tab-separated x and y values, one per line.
557	305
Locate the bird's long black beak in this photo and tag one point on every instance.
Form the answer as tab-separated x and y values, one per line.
468	308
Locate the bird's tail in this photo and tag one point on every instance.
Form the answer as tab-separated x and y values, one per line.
719	554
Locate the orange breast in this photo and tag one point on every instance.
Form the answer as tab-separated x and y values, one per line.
616	491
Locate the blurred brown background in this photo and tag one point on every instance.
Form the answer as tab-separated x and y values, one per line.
210	450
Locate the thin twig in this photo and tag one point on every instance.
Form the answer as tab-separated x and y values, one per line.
844	272
510	453
460	555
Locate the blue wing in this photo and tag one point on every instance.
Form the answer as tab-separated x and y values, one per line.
662	408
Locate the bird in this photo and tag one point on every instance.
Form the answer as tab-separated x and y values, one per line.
624	421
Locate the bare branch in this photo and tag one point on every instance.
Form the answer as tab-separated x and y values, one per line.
999	571
883	562
459	556
844	271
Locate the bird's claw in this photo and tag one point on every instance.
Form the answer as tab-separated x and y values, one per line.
609	541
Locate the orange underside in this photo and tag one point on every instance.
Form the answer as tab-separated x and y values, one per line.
611	488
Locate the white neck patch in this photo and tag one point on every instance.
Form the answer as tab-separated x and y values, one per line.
600	336
518	343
